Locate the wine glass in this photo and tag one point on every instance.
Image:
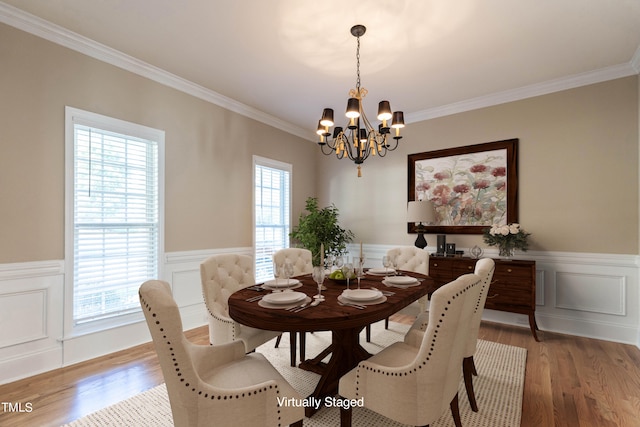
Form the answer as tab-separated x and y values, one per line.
394	261
288	270
347	270
359	269
386	262
277	271
318	277
339	262
328	260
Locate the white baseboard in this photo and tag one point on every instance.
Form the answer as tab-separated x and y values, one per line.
25	365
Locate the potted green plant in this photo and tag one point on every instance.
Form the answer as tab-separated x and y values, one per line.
320	226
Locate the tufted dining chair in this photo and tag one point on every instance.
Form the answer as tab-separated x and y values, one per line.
414	385
302	261
213	385
408	258
484	269
221	276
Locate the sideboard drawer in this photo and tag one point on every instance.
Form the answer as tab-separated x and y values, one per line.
503	295
464	266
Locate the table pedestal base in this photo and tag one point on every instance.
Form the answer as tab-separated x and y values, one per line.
346	352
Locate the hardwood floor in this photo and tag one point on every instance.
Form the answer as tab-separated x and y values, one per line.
570	381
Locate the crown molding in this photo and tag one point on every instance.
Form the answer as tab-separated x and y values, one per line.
544	88
54	33
39	27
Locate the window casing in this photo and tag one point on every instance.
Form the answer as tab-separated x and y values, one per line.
114	220
272	212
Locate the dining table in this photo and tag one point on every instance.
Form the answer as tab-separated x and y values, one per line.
343	320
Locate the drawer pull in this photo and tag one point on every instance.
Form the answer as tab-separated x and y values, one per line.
435	264
469	267
509	270
493	296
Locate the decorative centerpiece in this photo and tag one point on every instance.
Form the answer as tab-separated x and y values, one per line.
507	238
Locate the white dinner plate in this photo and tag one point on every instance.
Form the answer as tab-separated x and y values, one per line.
381	271
392	285
401	280
284	297
265	304
344	300
361	294
282	283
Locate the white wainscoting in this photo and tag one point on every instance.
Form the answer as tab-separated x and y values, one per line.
32	315
591	295
31	303
583	294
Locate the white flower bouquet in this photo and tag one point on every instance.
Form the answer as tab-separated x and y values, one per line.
507	238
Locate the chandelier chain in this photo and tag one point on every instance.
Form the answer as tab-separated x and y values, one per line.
358	67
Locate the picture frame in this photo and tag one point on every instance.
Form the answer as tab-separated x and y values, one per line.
472	187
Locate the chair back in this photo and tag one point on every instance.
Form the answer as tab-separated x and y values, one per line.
484	269
221	276
165	325
301	259
411	258
212	385
441	353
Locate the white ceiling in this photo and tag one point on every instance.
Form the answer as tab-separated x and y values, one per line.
283	61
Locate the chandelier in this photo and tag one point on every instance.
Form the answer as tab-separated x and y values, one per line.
359	139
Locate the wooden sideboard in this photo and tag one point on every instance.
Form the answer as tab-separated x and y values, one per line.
513	288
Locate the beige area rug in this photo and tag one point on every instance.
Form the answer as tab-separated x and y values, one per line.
498	386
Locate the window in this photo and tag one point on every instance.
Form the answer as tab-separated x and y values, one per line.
114	221
272	212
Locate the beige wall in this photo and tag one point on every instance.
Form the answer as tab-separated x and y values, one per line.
578	170
578	159
208	150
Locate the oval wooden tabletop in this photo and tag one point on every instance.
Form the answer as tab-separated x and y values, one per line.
328	315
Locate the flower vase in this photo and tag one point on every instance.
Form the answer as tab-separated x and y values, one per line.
506	252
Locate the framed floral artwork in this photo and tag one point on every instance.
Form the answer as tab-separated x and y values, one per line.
471	187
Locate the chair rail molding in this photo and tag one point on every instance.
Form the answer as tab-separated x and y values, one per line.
583	294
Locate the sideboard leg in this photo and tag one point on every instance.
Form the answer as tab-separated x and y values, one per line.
534	326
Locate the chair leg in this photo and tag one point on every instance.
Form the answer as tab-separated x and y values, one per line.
292	344
303	342
278	341
345	416
368	333
455	411
386	323
467	373
473	366
297	424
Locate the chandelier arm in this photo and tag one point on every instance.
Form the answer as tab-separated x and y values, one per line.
394	145
333	145
350	146
365	120
331	150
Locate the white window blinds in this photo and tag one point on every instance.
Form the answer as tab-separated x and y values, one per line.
115	221
272	213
